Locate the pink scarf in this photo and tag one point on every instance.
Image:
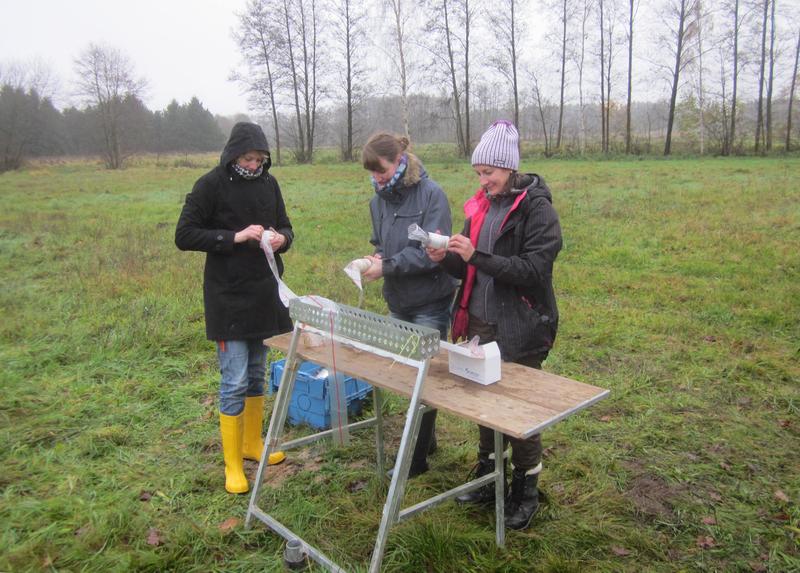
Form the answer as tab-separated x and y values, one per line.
475	210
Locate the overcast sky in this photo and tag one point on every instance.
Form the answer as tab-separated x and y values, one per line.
183	48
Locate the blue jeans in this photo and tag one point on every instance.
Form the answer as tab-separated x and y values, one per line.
426	439
243	367
439	319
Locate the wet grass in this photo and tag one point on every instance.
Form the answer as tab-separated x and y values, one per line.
679	289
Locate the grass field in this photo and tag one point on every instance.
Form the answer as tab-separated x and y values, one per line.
679	290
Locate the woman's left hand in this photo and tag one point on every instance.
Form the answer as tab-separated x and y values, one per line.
375	271
277	240
462	246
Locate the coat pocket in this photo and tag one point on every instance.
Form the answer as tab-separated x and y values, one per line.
536	322
397	236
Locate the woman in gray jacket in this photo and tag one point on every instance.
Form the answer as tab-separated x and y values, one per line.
416	290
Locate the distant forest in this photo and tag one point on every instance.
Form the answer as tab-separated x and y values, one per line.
32	127
577	76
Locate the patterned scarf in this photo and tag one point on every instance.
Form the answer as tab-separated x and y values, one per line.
246	173
401	168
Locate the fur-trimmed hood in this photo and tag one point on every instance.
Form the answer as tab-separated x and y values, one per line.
414	174
414	171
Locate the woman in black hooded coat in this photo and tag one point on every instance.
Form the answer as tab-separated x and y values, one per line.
225	216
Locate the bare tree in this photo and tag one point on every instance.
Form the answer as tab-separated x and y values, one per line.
506	26
299	62
734	78
450	24
607	16
771	79
468	15
308	12
631	16
699	19
397	8
541	105
609	59
105	80
258	36
791	95
603	141
761	74
723	77
681	9
289	64
563	71
350	35
580	60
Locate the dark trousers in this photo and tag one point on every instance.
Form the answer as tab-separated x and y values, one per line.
426	439
525	454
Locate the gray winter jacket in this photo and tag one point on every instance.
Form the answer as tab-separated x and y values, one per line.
412	283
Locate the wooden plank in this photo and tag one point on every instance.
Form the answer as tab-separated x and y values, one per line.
523	402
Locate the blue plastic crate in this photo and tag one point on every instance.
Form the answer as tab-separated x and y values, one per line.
310	403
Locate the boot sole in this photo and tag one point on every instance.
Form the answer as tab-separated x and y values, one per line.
475	503
526	525
274	458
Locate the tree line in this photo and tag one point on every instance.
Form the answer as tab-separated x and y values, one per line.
576	76
719	76
113	121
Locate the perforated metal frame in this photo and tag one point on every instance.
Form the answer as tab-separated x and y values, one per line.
396	336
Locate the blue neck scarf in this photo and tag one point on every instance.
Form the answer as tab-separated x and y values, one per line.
401	169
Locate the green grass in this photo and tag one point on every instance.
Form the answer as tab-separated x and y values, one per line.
679	290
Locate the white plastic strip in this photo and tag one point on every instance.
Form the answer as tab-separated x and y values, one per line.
284	291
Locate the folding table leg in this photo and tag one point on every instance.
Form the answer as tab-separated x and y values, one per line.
397	487
337	400
276	421
499	489
377	400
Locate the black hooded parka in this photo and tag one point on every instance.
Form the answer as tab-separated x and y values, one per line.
240	293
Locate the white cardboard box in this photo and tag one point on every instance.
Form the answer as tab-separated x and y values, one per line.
462	363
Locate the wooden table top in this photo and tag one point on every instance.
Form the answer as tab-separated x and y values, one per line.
523	402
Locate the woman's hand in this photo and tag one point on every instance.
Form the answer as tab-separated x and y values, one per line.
276	240
462	246
375	271
436	255
253	232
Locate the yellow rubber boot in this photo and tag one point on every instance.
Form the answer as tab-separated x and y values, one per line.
231	428
253	444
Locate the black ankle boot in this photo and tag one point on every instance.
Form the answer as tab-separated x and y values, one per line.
426	444
413	471
433	445
482	495
523	501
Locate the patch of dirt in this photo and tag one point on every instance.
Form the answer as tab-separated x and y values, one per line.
361	464
634	466
295	462
652	496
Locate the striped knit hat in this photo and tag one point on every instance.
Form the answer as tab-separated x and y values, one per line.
498	147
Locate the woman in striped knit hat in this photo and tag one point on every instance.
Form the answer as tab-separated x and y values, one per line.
504	258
